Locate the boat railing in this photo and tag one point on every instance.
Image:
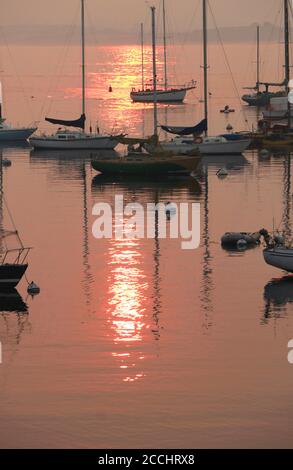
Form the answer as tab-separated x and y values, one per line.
14	256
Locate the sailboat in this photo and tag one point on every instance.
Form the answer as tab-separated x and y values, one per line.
189	138
261	98
166	94
10	133
154	162
68	139
13	264
281	135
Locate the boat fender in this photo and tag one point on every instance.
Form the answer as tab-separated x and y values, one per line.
198	140
264	153
222	172
33	288
242	244
6	162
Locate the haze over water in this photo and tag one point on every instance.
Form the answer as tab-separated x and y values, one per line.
138	343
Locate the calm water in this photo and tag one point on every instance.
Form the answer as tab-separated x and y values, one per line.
137	343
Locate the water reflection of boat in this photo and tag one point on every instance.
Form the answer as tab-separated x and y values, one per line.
11	301
227	161
14	321
131	182
280	291
72	155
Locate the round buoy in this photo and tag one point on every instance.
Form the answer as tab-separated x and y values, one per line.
33	289
242	244
170	208
222	172
6	162
264	153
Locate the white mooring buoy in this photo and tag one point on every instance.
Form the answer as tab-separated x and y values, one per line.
222	172
170	208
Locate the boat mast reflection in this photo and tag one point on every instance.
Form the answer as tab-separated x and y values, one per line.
278	293
207	271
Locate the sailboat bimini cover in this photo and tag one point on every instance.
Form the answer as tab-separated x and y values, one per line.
80	123
198	129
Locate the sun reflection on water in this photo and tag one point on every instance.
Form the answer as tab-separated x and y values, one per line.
127	307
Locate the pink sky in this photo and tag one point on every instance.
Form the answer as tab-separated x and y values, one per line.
125	14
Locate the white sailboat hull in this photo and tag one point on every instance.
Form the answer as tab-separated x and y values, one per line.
163	96
224	148
11	134
281	258
210	146
96	142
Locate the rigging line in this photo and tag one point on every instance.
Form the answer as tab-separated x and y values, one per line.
54	80
171	39
227	64
270	38
16	73
192	22
12	220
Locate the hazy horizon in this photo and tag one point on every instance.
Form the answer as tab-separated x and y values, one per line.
107	23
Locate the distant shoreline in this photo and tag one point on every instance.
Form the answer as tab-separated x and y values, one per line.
59	35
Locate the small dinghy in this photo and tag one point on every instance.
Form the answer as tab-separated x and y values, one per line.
237	239
277	253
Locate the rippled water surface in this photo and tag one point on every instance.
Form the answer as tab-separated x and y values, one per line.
138	343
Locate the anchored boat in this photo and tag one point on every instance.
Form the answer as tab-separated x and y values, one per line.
154	160
167	94
191	137
10	133
65	139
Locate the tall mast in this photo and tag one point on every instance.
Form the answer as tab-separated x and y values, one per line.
205	61
257	59
153	9
142	56
83	56
165	47
287	55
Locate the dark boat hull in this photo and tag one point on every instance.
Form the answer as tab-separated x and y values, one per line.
143	166
11	274
261	100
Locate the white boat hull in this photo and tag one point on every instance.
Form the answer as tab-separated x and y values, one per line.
97	143
275	115
281	258
162	96
208	148
224	148
16	134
